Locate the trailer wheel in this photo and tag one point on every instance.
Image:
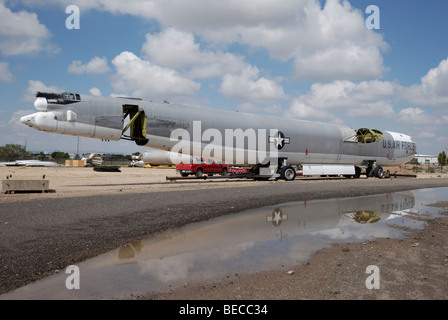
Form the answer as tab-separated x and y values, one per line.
288	173
378	172
224	172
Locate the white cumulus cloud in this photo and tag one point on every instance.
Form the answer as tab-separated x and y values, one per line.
372	98
326	42
95	91
142	78
22	33
34	86
433	88
179	50
329	42
95	65
249	86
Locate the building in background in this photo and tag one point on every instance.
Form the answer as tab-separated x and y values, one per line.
426	159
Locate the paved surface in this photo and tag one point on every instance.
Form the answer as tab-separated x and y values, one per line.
41	236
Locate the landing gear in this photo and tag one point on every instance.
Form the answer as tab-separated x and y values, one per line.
378	172
373	170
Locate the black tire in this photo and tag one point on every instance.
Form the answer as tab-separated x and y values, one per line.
224	172
378	172
199	173
106	169
288	173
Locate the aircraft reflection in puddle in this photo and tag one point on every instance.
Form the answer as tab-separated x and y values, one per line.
334	216
250	241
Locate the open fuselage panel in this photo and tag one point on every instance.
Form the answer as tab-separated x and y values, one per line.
136	124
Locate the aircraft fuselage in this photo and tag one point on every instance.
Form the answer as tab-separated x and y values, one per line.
232	137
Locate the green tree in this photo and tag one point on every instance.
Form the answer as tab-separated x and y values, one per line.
442	158
41	156
60	155
14	152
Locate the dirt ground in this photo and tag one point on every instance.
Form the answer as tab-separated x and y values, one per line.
78	182
411	268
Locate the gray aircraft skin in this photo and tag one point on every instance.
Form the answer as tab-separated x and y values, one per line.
235	138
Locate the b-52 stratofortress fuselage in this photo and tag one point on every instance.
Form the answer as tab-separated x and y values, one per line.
236	138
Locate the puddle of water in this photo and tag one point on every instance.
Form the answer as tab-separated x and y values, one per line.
254	240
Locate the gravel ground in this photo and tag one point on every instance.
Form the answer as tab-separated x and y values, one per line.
91	214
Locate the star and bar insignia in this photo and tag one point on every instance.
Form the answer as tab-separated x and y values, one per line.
279	140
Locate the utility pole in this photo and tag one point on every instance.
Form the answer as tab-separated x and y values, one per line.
77	150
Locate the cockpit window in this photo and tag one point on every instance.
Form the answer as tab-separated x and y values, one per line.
59	98
71	96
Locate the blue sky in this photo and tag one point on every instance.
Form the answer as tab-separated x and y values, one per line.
306	59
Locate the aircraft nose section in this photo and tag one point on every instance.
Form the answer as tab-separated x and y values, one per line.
45	121
28	120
